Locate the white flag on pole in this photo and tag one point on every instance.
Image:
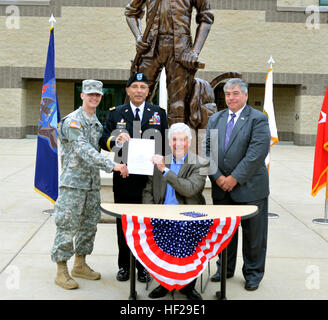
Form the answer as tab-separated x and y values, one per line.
269	110
163	90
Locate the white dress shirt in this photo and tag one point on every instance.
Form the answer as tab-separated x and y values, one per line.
141	109
237	115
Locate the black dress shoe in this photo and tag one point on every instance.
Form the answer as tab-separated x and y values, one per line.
251	286
158	292
143	276
193	295
217	277
123	274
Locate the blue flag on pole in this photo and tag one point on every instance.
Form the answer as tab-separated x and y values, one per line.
46	167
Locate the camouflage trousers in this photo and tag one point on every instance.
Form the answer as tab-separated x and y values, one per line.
77	213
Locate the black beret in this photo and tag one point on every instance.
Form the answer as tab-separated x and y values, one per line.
140	77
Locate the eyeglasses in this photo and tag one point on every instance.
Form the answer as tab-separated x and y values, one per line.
142	87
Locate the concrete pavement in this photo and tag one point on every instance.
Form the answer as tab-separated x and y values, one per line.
297	257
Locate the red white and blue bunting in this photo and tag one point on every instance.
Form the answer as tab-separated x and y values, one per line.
176	252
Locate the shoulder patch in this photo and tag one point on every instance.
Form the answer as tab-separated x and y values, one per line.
112	108
75	124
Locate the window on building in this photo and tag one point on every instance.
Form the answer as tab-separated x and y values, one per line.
114	95
219	98
25	2
323	2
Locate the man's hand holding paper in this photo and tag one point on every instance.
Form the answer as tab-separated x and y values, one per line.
158	160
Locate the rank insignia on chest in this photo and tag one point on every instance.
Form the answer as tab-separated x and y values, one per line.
121	124
155	119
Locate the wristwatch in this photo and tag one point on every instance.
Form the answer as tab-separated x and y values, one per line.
165	171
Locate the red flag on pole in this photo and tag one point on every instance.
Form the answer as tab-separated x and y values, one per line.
320	165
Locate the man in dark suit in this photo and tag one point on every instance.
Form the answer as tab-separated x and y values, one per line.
179	178
137	119
237	142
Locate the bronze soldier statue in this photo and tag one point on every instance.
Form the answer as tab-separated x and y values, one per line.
167	42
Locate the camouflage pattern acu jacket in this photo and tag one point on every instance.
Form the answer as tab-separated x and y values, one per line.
80	152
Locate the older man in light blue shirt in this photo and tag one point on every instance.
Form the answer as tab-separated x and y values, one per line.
178	178
175	167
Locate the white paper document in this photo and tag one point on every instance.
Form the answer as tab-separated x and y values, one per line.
140	152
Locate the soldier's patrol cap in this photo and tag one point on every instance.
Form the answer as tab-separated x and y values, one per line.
137	77
92	86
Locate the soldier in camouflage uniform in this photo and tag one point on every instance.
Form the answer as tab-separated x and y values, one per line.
77	208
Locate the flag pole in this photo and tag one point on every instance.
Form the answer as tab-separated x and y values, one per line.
270	214
325	219
52	22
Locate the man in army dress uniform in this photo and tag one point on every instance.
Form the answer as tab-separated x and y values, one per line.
137	119
77	208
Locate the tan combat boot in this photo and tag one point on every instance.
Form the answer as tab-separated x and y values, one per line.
63	278
82	270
